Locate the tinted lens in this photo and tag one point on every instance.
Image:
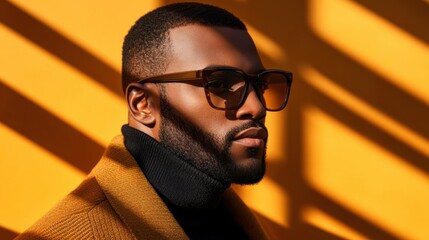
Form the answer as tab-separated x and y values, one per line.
274	90
226	88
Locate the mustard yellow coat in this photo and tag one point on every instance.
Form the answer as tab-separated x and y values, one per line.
116	201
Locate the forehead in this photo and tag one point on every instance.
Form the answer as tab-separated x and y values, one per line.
196	47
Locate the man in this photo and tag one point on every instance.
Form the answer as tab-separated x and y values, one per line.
197	96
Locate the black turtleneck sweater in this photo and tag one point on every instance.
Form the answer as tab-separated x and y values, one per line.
191	195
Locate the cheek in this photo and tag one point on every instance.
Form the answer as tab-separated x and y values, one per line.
191	102
188	97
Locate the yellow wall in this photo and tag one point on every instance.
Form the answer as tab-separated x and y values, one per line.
348	158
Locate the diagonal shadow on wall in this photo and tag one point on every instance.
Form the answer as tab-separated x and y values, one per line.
345	216
404	14
7	234
370	87
369	130
58	45
313	232
305	195
47	130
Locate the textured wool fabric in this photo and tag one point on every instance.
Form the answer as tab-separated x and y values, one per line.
117	202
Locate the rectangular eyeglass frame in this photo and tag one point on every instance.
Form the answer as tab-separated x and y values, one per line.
199	76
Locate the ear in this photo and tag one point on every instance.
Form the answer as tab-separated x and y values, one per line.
139	104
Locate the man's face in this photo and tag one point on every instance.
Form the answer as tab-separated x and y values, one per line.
229	145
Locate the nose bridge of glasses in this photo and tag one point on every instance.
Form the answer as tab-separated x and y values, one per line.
254	80
254	92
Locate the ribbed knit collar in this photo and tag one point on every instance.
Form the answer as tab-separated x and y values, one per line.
178	181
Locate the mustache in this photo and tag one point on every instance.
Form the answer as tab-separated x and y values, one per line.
231	133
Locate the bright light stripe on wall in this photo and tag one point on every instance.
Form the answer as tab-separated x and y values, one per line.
93	25
374	42
32	180
267	198
364	177
366	111
60	89
266	45
326	222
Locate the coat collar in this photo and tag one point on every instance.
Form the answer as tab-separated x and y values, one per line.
140	207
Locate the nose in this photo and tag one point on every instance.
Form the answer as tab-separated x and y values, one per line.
252	107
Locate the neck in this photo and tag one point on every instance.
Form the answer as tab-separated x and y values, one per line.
177	181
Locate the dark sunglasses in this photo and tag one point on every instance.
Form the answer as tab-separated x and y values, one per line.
227	88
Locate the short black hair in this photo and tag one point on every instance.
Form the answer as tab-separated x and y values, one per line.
146	47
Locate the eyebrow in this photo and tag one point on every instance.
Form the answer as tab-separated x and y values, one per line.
258	70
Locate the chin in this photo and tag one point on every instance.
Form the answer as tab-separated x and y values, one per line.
250	171
248	180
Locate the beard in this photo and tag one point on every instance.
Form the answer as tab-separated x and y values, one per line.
209	152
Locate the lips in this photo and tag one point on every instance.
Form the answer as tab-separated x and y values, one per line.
253	132
252	136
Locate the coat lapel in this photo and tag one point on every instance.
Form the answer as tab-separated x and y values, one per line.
132	196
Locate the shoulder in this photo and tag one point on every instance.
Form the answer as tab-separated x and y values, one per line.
83	214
